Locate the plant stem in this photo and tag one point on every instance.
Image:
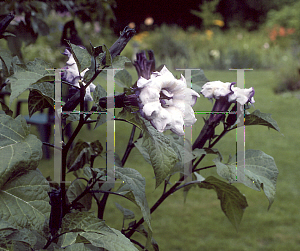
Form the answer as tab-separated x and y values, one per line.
139	244
130	145
203	168
101	206
153	208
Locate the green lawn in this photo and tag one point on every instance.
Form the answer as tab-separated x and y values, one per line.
199	224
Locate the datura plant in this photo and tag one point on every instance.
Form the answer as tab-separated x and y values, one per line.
42	213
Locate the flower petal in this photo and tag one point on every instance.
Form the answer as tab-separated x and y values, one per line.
244	95
151	109
149	94
216	89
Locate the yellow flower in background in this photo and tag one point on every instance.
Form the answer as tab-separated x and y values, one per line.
141	36
219	23
209	34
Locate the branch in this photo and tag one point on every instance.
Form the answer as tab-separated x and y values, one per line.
130	145
139	244
48	144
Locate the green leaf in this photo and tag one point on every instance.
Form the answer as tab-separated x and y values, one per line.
37	101
23	235
81	56
11	245
101	119
88	226
96	173
112	242
132	116
260	172
127	214
143	150
159	147
123	79
15	139
6	228
81	154
98	93
108	59
259	118
183	150
233	203
134	182
24	77
88	75
75	189
77	247
72	117
151	243
25	201
83	222
198	80
195	177
119	62
6	59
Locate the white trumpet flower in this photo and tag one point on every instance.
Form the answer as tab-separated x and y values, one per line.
166	101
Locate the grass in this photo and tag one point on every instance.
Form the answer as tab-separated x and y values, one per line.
199	224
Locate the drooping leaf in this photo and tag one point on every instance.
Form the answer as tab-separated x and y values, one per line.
102	185
143	150
15	139
81	56
98	93
260	172
25	76
119	62
151	244
6	244
85	226
23	235
6	228
101	119
83	222
106	60
81	154
159	147
111	242
233	203
6	59
75	189
197	178
183	150
75	247
37	100
134	182
259	118
198	80
123	79
25	201
131	115
127	214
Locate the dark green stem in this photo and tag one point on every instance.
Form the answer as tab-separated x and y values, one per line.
130	145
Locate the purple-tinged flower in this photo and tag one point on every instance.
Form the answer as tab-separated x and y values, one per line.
225	94
144	67
166	101
71	75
